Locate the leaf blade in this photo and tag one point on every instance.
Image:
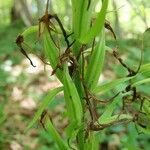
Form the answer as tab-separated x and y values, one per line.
95	66
43	105
54	133
110	85
98	25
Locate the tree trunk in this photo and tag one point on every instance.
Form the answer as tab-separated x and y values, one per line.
21	10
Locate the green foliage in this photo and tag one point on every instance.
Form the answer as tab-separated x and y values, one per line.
79	73
7	43
52	131
44	105
96	59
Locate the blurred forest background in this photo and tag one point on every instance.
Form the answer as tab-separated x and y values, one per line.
22	86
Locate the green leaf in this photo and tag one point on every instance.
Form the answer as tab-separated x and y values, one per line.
50	49
108	111
73	104
146	106
96	62
44	104
72	97
144	123
110	85
77	7
141	82
30	30
145	68
143	130
52	53
86	16
55	135
146	37
131	139
92	143
115	118
98	25
70	130
107	118
81	136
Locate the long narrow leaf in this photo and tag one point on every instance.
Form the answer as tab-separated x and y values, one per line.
98	25
50	49
92	142
51	52
55	135
145	68
96	63
108	111
141	82
44	104
70	89
86	16
110	85
114	118
30	31
77	16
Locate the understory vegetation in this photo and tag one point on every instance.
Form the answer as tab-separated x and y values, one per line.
91	86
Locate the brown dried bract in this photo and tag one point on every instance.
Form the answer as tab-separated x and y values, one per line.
108	26
19	41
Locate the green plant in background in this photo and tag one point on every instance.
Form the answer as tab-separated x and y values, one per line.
79	67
